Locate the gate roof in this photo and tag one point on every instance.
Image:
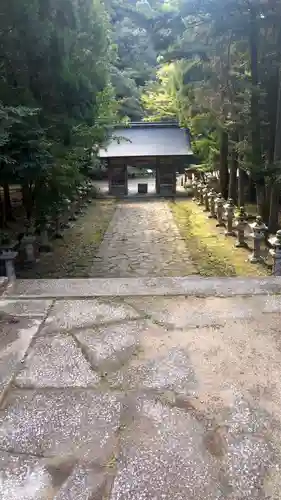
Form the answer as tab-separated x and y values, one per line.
142	139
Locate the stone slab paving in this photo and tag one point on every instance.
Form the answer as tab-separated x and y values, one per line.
26	307
142	240
140	398
124	287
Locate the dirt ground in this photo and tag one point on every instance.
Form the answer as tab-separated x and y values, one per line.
73	255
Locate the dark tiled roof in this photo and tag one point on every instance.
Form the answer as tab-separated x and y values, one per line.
147	139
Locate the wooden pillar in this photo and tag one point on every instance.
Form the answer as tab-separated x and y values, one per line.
118	177
157	182
126	178
109	177
174	188
167	177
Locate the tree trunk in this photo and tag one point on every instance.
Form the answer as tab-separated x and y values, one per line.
272	99
27	200
260	190
273	222
255	111
2	213
234	164
232	190
7	202
242	181
223	168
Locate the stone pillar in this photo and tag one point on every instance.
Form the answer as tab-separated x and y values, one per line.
258	234
219	201
8	258
240	225
229	209
212	196
275	252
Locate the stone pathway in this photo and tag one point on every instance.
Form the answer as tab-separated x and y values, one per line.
142	240
140	398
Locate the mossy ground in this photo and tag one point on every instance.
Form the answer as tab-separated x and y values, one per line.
212	252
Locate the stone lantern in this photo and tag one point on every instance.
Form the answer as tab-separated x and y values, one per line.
229	210
57	221
77	203
200	188
84	199
88	192
206	198
195	190
212	197
240	226
8	256
202	193
219	201
66	207
27	244
258	234
72	208
44	227
275	252
80	193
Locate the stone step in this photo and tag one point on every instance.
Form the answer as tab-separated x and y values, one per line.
123	287
142	396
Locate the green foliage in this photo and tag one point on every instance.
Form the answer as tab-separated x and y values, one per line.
220	71
135	61
159	98
10	117
71	68
56	95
